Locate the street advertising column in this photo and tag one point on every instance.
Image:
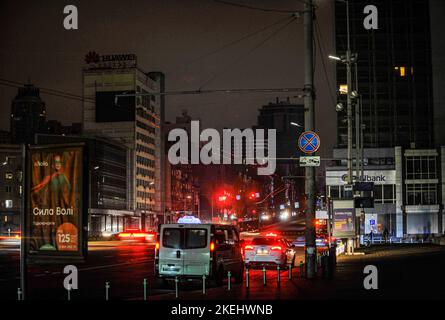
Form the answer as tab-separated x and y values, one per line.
56	211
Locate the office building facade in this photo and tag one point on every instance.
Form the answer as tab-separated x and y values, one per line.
118	106
409	193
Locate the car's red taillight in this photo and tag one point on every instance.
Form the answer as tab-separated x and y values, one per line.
248	247
212	246
276	248
157	246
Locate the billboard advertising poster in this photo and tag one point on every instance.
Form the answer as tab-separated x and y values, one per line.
56	201
344	223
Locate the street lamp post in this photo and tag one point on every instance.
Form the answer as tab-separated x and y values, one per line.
348	60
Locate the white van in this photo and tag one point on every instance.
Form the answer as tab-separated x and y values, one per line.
194	250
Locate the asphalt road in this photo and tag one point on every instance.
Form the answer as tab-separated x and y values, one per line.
405	271
123	265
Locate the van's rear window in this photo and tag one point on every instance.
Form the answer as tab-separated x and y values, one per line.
171	238
195	238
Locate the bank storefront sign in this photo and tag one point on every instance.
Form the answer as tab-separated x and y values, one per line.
339	178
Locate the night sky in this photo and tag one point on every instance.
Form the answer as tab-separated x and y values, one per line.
168	36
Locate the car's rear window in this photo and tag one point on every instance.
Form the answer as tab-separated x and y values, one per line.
171	238
264	241
195	238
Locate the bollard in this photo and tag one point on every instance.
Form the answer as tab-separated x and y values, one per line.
145	288
203	284
301	269
229	280
176	286
69	292
107	286
247	277
264	276
19	294
278	274
290	271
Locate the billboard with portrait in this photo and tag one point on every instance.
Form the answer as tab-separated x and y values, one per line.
343	213
56	201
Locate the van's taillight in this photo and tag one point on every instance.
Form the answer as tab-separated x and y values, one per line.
157	246
248	247
212	246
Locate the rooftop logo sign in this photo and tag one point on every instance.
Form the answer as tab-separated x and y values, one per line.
107	61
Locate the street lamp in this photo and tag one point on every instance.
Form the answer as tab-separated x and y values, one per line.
296	124
335	58
349	59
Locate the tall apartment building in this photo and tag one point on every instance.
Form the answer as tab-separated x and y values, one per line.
395	77
118	106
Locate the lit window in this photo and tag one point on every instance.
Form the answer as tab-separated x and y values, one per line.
8	203
402	71
8	176
343	89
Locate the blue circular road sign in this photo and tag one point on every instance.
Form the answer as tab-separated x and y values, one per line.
309	142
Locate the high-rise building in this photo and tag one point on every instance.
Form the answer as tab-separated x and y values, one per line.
28	115
394	73
118	106
182	183
399	79
288	120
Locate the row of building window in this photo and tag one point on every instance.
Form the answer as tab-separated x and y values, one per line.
416	194
145	162
146	127
144	138
146	115
382	193
421	194
145	195
145	149
143	183
145	172
143	205
421	167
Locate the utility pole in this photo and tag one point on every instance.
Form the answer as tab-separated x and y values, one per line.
349	98
309	123
357	126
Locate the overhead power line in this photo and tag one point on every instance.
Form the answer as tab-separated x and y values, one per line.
322	57
228	67
239	5
53	92
234	42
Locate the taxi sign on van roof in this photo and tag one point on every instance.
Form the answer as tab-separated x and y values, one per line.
189	219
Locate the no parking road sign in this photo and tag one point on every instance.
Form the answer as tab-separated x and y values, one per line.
309	142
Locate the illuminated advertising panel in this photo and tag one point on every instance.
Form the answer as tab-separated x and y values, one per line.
343	218
56	201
